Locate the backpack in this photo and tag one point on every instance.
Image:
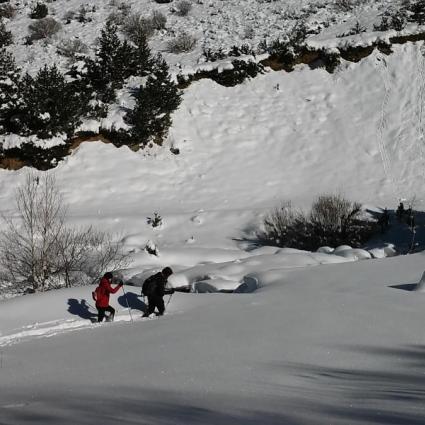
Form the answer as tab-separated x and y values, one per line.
149	286
97	293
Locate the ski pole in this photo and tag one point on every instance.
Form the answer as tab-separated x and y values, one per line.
126	300
169	299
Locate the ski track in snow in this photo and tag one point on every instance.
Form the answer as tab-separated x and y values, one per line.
55	327
382	125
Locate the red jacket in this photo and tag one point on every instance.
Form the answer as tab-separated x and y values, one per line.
101	293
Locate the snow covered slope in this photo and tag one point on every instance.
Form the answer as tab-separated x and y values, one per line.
337	344
314	339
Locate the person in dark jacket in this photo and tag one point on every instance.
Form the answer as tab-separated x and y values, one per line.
101	296
156	290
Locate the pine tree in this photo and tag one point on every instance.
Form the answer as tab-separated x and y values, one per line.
9	90
51	105
418	12
112	65
109	51
142	61
155	102
5	36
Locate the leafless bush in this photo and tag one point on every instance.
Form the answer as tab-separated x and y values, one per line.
158	20
333	220
182	43
281	224
348	5
134	23
117	18
27	248
334	213
44	28
39	251
7	11
72	48
69	16
183	7
249	32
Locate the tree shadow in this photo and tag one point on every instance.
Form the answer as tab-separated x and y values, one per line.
134	301
355	395
81	308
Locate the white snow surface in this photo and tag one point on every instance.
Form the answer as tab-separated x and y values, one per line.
332	337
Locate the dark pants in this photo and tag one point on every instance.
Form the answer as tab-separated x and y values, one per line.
101	313
155	301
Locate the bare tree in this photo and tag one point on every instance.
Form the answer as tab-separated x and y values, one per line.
85	254
28	245
38	250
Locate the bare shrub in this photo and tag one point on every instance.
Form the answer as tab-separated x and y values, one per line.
348	5
44	28
27	248
69	16
133	24
280	225
39	251
183	7
333	220
82	14
72	48
182	43
7	11
158	20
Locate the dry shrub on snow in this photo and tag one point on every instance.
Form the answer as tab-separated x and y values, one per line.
134	23
7	11
183	8
72	48
44	28
182	43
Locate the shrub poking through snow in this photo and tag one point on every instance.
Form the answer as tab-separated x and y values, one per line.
43	28
332	221
151	248
134	23
182	43
183	7
72	48
155	220
158	20
39	11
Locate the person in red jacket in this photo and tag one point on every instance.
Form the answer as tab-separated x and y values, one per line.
101	296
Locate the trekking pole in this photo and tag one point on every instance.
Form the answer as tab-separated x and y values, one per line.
169	299
126	300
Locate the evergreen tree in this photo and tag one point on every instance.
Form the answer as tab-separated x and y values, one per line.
51	105
142	61
112	65
418	12
155	102
9	90
5	36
